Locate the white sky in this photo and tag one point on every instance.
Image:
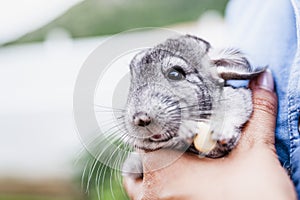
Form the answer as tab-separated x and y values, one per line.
21	16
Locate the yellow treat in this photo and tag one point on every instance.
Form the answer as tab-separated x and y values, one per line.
203	141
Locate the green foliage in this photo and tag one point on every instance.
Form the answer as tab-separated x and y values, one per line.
109	185
99	181
102	17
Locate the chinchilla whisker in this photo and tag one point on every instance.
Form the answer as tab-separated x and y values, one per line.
116	126
109	125
99	175
186	128
120	117
191	97
104	172
197	114
111	188
108	121
189	106
170	111
120	138
110	137
79	155
111	185
118	178
87	189
190	117
83	175
112	125
175	118
98	130
88	180
203	109
111	122
107	107
183	108
92	168
102	181
104	138
149	130
108	111
118	165
196	120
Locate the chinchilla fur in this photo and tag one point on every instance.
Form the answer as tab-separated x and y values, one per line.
179	83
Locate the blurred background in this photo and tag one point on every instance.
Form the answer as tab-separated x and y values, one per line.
42	47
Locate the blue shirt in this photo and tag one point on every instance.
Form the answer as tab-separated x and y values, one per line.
268	32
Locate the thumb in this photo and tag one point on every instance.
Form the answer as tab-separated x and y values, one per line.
261	126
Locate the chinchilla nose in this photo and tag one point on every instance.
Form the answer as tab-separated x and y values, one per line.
141	119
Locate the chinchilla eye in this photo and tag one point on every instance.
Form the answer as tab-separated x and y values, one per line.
176	73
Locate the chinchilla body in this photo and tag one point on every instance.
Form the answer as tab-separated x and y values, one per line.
179	83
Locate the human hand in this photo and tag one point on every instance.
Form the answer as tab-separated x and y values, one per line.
251	171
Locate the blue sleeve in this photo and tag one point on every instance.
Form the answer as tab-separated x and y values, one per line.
267	32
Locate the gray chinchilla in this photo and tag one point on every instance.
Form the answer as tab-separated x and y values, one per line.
179	83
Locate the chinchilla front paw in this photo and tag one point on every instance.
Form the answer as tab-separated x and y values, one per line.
133	166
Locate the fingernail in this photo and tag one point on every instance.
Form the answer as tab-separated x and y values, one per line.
266	81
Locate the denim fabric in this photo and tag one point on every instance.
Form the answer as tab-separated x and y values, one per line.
294	107
268	32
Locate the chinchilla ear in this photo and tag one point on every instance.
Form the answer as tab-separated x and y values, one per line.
200	40
232	65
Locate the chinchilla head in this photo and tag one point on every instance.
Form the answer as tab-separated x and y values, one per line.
174	85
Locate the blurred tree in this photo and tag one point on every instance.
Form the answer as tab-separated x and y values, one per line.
103	17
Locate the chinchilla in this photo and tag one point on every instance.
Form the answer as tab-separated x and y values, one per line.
179	83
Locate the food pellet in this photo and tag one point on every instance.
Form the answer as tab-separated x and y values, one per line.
203	141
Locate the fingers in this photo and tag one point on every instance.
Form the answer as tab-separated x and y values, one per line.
133	187
154	165
261	127
155	168
160	167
